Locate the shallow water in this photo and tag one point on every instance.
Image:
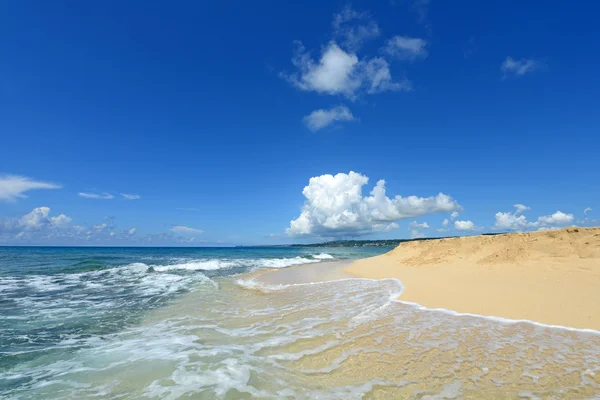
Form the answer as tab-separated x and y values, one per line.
232	337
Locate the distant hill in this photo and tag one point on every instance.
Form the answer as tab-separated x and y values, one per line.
372	243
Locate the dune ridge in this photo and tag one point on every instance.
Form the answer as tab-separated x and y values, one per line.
552	277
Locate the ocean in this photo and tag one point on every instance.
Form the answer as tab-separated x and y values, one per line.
194	323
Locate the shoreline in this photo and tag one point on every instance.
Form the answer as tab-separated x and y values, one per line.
549	278
557	291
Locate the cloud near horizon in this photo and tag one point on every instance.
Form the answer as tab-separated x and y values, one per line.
185	230
518	222
466	226
335	207
127	196
13	187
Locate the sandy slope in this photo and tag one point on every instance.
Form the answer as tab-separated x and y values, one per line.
551	277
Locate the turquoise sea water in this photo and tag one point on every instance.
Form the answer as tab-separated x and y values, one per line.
180	323
57	302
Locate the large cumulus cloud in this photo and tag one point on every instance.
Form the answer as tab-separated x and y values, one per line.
335	207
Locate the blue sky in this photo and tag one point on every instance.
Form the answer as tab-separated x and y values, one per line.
217	115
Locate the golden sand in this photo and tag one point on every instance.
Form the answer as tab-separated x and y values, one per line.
552	277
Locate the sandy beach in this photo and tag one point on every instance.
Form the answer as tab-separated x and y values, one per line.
551	277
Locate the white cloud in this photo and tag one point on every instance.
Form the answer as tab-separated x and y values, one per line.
104	196
354	28
415	234
335	206
406	48
61	220
100	227
519	67
510	221
185	230
521	208
340	73
333	74
465	226
444	227
377	76
558	218
112	234
587	211
416	225
454	215
13	187
320	119
131	196
518	221
38	219
131	231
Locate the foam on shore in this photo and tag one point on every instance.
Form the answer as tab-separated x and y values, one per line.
550	277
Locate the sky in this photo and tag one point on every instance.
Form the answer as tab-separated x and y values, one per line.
267	122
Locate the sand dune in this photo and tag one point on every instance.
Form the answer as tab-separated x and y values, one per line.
552	277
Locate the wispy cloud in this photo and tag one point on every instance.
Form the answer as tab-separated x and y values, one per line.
406	48
353	28
321	118
131	196
13	187
103	196
421	7
185	230
513	67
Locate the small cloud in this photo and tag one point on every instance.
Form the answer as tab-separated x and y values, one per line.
131	196
13	187
454	215
521	208
510	66
587	211
415	234
131	232
112	234
185	230
340	73
444	227
320	119
406	48
103	196
416	225
354	28
465	226
100	227
558	218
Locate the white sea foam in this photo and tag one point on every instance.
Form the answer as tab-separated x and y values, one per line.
323	256
218	264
